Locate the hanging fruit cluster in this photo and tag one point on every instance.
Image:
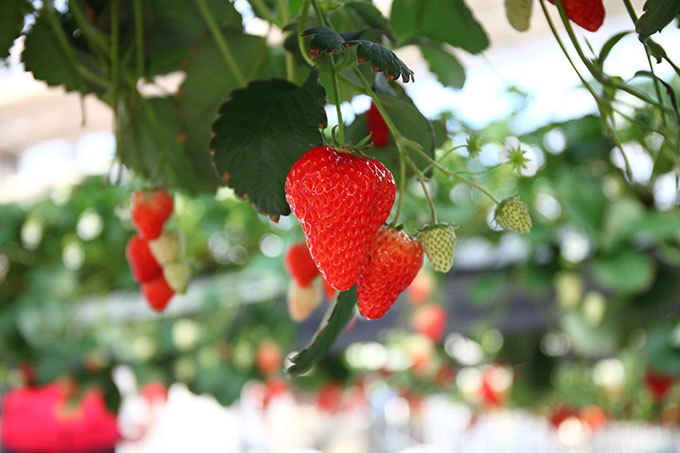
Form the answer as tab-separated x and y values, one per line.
155	256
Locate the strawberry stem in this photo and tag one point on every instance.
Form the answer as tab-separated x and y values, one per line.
421	179
301	29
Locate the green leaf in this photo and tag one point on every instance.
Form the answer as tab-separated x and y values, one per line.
336	319
50	62
658	14
609	45
152	147
261	131
444	65
447	21
176	25
627	272
11	23
382	59
324	40
208	82
372	16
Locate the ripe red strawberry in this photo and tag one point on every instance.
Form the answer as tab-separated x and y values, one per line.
341	200
588	14
395	260
659	384
430	320
300	265
157	293
150	210
376	125
142	262
561	414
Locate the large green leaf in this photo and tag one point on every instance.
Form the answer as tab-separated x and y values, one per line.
260	133
658	14
448	21
54	64
627	272
11	23
336	319
208	82
176	25
152	147
444	65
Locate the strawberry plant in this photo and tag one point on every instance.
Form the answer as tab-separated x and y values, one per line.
251	116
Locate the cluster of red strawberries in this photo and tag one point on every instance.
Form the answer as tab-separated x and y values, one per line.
342	202
154	255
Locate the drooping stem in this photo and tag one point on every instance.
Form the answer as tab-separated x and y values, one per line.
402	190
304	11
448	172
421	179
221	43
139	38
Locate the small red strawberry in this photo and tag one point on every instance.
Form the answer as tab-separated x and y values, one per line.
395	260
430	320
157	293
300	265
561	414
150	210
376	125
341	200
142	262
659	384
588	14
269	357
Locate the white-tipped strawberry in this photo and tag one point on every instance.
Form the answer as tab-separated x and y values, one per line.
303	300
513	215
177	274
439	244
167	248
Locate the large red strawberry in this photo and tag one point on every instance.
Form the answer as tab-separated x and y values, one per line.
157	293
300	265
142	262
588	14
150	210
341	200
377	126
394	262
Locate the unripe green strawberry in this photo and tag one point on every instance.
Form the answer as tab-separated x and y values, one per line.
167	248
513	215
177	274
439	244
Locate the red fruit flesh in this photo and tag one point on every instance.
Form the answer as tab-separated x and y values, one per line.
150	210
300	265
588	14
157	293
341	200
376	125
142	262
395	260
659	384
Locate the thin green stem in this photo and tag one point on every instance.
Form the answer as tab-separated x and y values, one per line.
263	10
290	63
139	38
95	37
443	156
446	171
334	76
402	190
221	42
657	85
421	179
304	11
